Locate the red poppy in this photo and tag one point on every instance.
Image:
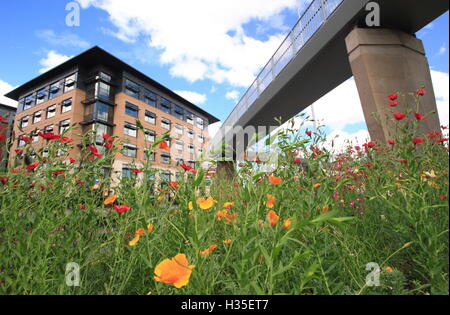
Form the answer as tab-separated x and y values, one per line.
403	161
121	209
15	171
442	197
108	145
32	167
393	103
82	206
370	145
163	145
419	116
19	152
432	134
66	139
441	140
369	165
136	171
2	138
392	142
94	151
72	160
399	116
297	161
4	180
357	148
3	118
26	139
418	141
188	168
79	182
58	173
393	97
174	185
107	137
309	133
48	136
421	92
444	128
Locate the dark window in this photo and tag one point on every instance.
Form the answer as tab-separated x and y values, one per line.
105	77
178	111
179	129
165	158
131	110
34	135
29	102
129	150
192	149
69	83
63	126
189	117
54	90
150	117
40	96
165	105
165	123
150	135
103	90
51	111
24	122
127	173
48	128
132	88
130	130
150	98
105	112
66	105
191	134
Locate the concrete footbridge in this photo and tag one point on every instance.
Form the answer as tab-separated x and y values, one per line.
332	41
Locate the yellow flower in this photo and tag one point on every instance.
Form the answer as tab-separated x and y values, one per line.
190	206
206	204
228	205
227	242
208	250
134	241
389	269
287	224
317	185
150	228
160	198
176	271
270	201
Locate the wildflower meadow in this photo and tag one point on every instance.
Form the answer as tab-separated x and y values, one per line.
361	220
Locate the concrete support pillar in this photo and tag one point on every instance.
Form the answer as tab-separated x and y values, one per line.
386	61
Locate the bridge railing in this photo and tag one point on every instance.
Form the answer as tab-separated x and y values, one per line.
310	21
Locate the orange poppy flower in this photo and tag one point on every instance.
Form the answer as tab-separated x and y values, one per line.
134	241
163	145
150	228
287	224
270	201
206	203
140	232
273	218
317	185
389	269
110	200
208	250
176	271
174	185
275	180
227	242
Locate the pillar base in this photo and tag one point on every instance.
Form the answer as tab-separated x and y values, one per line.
387	61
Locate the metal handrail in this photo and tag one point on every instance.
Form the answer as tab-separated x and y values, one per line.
291	38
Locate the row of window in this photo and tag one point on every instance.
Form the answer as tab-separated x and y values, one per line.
133	89
164	176
130	130
48	92
62	126
50	112
130	150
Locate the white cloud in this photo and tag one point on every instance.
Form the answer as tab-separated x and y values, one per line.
442	50
232	95
5	87
63	39
441	91
52	60
200	39
193	97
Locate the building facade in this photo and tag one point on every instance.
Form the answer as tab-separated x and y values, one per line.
6	124
97	91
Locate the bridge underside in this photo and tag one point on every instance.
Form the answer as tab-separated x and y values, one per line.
323	63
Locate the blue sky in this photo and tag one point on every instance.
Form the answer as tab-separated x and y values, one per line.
210	54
